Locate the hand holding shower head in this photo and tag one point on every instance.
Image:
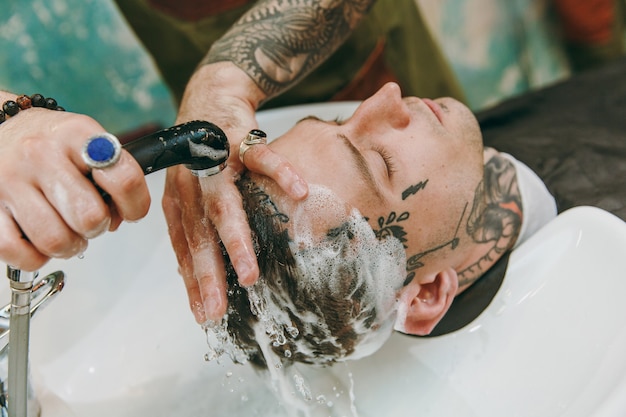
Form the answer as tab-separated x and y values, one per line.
200	145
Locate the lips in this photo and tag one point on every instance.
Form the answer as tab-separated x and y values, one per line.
435	108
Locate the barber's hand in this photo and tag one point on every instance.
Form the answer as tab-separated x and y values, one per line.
48	206
198	220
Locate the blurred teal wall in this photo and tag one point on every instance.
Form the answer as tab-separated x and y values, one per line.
498	48
81	53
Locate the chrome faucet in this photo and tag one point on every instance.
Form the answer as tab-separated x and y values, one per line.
29	294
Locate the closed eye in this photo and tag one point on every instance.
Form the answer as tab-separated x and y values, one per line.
388	159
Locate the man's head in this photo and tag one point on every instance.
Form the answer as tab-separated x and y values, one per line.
411	168
328	286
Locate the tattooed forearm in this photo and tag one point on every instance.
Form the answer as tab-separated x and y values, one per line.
278	42
496	216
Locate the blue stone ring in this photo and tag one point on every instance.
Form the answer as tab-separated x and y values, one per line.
101	150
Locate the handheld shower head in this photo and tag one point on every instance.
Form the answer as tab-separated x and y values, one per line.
201	146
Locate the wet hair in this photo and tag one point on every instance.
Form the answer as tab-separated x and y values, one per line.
318	304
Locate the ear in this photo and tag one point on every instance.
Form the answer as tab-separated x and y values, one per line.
427	301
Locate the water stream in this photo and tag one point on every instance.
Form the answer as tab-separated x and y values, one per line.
337	302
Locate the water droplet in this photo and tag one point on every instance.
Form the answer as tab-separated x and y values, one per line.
293	331
302	387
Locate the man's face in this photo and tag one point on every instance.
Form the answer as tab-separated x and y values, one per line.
411	166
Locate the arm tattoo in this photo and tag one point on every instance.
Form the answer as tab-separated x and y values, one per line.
278	42
496	216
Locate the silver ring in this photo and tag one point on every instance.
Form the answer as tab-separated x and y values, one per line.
101	151
254	137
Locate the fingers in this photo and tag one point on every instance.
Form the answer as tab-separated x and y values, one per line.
46	231
197	250
173	215
195	219
73	197
263	160
17	251
48	198
61	177
209	274
125	183
223	205
199	217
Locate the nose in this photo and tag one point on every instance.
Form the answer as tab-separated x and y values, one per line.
385	108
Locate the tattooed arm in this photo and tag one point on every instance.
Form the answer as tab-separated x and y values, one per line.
278	42
270	48
496	216
273	46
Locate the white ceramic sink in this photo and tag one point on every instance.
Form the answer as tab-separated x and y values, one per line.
551	343
120	339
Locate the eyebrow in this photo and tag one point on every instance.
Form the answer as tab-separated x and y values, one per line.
357	157
363	167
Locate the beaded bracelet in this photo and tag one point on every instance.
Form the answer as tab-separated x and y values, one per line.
23	102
